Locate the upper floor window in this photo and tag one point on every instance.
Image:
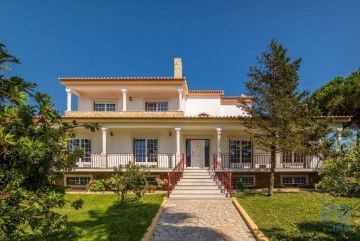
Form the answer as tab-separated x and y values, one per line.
156	106
104	106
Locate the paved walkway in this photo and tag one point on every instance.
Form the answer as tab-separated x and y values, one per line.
201	220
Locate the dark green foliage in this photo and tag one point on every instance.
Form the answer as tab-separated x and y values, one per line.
280	119
339	97
33	154
341	174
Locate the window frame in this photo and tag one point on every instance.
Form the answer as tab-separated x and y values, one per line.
150	153
87	150
66	176
293	181
157	106
106	104
244	177
241	155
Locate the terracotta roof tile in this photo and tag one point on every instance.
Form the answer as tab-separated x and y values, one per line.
117	78
206	91
139	115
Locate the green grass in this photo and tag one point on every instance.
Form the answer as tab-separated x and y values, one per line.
297	216
100	219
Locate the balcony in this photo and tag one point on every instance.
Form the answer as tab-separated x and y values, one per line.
258	162
109	161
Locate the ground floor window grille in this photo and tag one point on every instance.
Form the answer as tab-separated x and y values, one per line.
248	181
294	180
80	181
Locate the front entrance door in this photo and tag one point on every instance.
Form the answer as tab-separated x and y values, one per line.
197	153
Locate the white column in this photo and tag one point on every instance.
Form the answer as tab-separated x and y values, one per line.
218	130
218	144
177	145
338	138
124	99
103	129
177	140
180	100
68	91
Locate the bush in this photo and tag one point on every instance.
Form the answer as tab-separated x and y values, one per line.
96	185
162	183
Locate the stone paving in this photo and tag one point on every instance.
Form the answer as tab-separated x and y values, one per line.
201	220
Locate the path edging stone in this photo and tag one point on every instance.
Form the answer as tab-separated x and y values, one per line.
249	222
151	229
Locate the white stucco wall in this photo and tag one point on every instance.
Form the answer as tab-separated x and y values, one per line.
231	110
195	105
86	101
137	103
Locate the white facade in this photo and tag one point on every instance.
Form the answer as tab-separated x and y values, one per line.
157	121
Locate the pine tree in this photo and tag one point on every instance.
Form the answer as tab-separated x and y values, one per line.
280	121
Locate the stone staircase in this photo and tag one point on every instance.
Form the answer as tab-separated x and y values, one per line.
197	184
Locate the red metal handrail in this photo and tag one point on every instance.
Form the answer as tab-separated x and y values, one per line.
222	175
175	175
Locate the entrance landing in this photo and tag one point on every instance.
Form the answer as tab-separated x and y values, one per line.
201	220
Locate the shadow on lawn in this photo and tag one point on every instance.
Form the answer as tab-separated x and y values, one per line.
314	230
120	222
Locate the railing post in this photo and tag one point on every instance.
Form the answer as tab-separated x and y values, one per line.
168	191
230	181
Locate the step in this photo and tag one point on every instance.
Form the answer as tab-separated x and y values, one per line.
197	191
196	170
181	183
197	176
196	187
196	197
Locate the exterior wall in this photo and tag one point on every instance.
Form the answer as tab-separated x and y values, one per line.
232	110
195	105
137	103
262	178
86	101
138	100
122	139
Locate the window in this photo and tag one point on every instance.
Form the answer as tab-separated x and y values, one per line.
81	181
248	181
84	144
104	107
293	160
151	180
294	180
146	150
156	106
240	151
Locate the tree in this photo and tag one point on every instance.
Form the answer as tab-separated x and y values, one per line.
130	178
33	153
280	120
341	173
340	97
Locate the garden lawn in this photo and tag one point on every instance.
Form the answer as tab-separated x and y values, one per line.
100	219
297	215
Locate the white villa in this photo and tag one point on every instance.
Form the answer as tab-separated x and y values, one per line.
158	121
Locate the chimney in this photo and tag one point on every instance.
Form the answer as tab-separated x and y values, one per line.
177	68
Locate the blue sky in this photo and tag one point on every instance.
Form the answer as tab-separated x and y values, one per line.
217	40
